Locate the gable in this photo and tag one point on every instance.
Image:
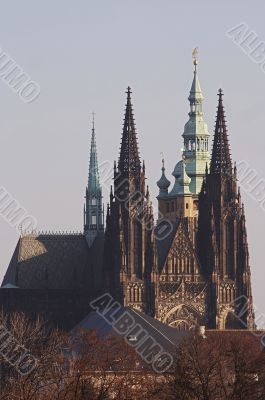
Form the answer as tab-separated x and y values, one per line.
181	257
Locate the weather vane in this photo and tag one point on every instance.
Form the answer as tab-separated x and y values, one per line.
163	161
195	56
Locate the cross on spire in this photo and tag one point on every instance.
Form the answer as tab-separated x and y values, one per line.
221	158
129	161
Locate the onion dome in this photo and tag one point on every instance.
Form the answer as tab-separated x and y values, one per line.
182	180
178	169
163	183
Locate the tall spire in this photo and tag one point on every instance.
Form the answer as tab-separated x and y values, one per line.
93	211
195	98
129	161
221	158
196	135
93	176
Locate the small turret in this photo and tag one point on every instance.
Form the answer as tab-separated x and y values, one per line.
163	183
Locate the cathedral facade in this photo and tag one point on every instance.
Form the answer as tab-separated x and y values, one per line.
188	268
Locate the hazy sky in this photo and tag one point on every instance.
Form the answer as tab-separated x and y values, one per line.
83	54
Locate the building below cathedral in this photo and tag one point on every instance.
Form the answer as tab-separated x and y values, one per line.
189	268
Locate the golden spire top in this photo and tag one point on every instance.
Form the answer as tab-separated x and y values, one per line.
195	57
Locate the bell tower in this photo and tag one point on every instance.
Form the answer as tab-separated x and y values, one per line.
182	200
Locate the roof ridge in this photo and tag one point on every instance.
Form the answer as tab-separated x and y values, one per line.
34	234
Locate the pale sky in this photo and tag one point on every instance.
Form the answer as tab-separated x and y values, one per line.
83	54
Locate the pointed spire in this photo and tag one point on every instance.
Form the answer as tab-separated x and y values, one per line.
221	159
129	161
108	215
93	176
111	195
196	135
143	166
147	193
93	214
195	96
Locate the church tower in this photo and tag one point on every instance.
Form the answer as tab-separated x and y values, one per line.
129	255
222	238
182	200
93	211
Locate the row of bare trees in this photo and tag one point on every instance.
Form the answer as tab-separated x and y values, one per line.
222	366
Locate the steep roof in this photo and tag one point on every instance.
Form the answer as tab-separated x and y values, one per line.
164	232
53	261
163	334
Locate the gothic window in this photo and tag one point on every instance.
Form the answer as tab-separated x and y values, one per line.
188	265
177	265
167	207
173	265
131	294
229	248
94	220
187	206
94	201
172	206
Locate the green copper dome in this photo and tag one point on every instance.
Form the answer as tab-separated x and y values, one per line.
182	181
178	169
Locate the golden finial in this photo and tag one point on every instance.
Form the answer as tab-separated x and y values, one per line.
195	56
163	160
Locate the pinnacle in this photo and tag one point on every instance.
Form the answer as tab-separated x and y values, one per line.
221	158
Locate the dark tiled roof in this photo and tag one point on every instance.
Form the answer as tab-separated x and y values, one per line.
53	261
163	334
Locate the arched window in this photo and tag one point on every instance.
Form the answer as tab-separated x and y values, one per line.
229	248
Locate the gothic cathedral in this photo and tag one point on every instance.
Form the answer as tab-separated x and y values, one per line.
191	267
